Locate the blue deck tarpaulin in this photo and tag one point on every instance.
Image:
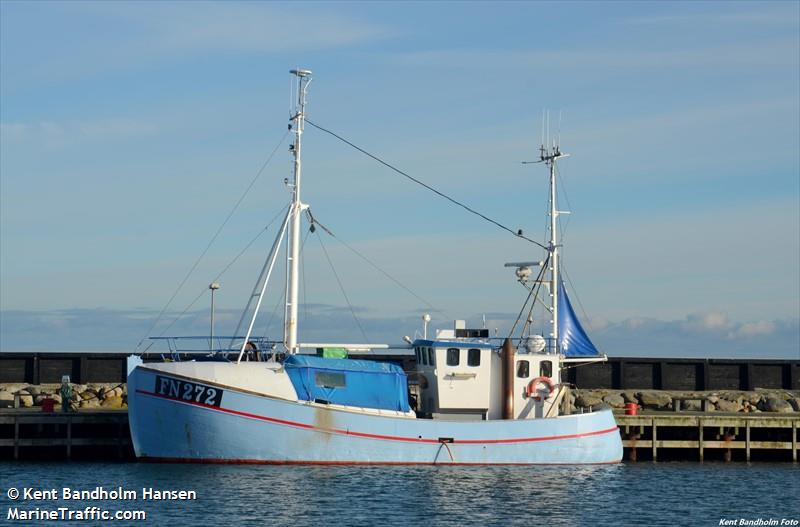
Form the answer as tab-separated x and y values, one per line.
349	382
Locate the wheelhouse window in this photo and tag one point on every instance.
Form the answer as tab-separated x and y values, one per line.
453	356
431	357
326	379
546	368
474	357
416	352
523	369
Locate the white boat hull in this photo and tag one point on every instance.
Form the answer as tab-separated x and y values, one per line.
246	427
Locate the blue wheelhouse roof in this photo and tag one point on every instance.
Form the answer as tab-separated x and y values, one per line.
453	344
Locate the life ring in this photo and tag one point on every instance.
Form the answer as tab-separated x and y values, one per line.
531	388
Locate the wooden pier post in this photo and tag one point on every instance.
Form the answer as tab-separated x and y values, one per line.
747	439
700	437
16	439
69	437
655	454
794	441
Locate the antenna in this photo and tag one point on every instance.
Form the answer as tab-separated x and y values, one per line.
559	129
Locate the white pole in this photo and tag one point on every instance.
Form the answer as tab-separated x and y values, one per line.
553	252
213	286
293	254
273	256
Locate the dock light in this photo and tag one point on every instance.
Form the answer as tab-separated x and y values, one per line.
425	319
300	73
213	286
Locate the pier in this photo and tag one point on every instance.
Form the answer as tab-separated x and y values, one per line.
104	435
732	437
90	435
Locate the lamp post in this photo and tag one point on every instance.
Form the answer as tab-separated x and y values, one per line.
213	286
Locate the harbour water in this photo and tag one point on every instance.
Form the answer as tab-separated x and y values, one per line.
673	494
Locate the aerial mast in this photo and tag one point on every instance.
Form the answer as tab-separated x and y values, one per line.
297	207
549	155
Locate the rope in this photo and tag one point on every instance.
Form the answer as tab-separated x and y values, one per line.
213	239
517	233
341	287
575	292
370	262
221	273
530	293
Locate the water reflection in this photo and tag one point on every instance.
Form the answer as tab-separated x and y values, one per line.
638	494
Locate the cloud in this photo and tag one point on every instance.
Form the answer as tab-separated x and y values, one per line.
97	38
772	18
58	134
754	329
710	334
713	321
777	52
696	335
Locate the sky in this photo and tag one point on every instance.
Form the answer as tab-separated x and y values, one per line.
129	131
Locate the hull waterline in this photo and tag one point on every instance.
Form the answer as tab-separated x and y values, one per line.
251	428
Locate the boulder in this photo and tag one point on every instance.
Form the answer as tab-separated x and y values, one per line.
6	399
90	403
113	392
112	402
795	402
692	406
723	405
713	398
614	400
89	394
13	387
586	400
25	400
774	404
34	390
630	397
655	399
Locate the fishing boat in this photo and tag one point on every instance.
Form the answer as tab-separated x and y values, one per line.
469	398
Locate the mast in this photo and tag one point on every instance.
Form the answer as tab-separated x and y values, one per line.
293	252
549	156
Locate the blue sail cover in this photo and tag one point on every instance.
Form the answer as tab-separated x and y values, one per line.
574	340
349	382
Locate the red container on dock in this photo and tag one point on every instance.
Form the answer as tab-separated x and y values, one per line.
48	405
631	408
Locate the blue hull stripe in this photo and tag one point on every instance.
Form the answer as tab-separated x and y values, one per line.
377	436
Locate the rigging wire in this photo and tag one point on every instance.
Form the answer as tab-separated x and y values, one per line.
283	295
530	293
213	239
314	221
517	233
219	275
341	287
563	188
538	288
580	304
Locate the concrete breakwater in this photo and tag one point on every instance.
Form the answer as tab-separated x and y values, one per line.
755	401
106	396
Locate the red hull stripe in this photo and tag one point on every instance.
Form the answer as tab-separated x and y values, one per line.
216	461
376	436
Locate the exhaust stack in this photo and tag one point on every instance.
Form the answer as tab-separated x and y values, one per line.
507	359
